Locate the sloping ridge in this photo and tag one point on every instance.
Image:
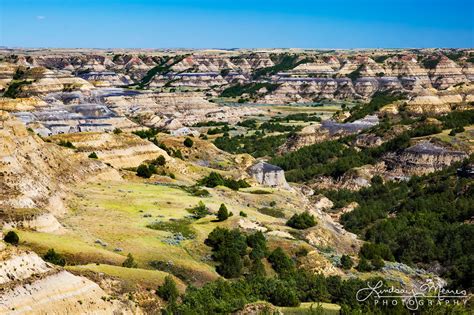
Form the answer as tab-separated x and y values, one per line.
29	285
34	173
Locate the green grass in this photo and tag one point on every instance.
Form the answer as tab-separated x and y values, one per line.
273	212
196	191
182	226
260	192
118	213
75	250
147	278
461	141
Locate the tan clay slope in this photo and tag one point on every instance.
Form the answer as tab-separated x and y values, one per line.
120	150
206	154
28	285
33	173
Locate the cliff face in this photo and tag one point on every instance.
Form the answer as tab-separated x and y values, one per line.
31	286
328	129
33	173
182	108
268	175
334	75
422	158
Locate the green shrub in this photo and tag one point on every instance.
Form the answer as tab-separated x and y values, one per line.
258	243
277	127
283	295
66	144
298	117
223	213
289	288
364	265
20	73
280	261
456	130
354	75
282	62
302	252
168	291
379	99
250	88
381	59
248	123
196	191
160	161
182	226
430	63
257	144
14	88
54	258
243	214
225	72
188	142
215	179
260	192
117	131
231	264
457	119
146	134
144	171
183	273
210	123
93	155
371	251
129	262
178	154
228	246
276	213
301	221
199	211
12	238
346	262
377	263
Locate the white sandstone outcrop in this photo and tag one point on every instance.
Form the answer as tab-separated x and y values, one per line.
268	175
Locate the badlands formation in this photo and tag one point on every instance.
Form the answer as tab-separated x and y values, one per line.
109	153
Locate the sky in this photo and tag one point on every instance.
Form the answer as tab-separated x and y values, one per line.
237	24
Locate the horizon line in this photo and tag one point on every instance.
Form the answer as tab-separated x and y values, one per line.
236	48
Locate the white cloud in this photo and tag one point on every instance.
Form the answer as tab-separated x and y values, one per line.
40	17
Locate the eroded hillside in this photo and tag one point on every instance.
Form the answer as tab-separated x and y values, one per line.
129	179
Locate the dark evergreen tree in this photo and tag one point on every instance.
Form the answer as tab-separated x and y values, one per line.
223	213
12	238
188	142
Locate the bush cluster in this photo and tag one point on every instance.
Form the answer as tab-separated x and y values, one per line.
301	221
215	179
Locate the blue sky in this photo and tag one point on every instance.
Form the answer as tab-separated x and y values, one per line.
232	24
